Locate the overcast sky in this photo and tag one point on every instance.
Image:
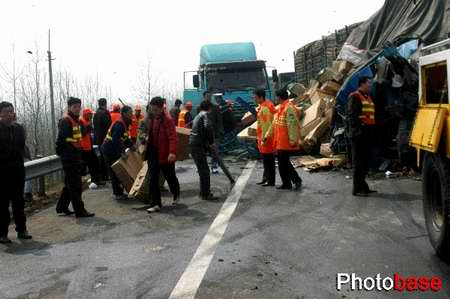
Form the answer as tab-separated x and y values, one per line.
113	38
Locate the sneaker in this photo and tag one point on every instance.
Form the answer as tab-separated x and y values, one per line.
154	209
24	236
93	186
175	201
215	170
65	212
5	240
298	186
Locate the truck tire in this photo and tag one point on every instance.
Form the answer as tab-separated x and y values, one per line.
436	202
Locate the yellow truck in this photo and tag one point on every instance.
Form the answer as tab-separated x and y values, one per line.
431	137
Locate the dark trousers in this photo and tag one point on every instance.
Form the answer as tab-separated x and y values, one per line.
360	162
269	168
168	170
73	188
12	180
91	161
103	167
115	182
200	158
288	173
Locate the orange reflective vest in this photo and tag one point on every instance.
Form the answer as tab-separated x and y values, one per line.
368	108
134	125
125	135
75	139
182	118
86	140
115	117
287	127
265	114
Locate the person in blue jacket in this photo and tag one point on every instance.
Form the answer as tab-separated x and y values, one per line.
116	142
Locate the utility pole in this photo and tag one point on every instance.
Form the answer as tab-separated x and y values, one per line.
52	102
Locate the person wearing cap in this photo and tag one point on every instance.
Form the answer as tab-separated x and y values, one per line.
68	147
88	155
175	111
116	142
185	117
115	113
102	123
12	174
137	118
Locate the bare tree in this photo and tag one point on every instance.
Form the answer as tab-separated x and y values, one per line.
11	76
146	82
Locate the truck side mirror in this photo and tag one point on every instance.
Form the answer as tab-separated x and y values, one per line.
196	81
275	76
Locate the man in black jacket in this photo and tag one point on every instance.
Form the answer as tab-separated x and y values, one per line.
201	142
12	173
102	122
68	147
216	122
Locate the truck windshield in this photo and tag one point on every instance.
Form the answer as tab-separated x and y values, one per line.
224	79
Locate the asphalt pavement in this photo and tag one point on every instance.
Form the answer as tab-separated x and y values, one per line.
276	244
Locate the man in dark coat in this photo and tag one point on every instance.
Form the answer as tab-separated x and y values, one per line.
102	123
12	174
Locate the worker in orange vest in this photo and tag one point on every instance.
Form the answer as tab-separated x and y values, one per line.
286	130
87	150
361	116
68	147
115	114
265	114
185	116
137	118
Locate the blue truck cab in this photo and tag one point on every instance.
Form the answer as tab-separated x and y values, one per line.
231	70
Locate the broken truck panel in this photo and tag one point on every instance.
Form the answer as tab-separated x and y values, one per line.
428	127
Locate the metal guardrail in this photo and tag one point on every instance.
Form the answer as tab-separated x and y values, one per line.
39	168
42	167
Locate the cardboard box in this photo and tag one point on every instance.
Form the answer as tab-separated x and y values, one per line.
314	112
122	174
322	128
330	88
139	185
326	74
183	143
297	89
345	67
251	131
305	130
248	119
325	150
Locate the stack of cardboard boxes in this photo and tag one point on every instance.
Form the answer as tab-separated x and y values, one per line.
132	171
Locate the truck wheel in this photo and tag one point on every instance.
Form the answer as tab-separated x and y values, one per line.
436	202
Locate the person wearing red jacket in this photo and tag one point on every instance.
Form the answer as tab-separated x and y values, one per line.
161	153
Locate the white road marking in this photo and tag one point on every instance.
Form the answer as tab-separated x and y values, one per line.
192	277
